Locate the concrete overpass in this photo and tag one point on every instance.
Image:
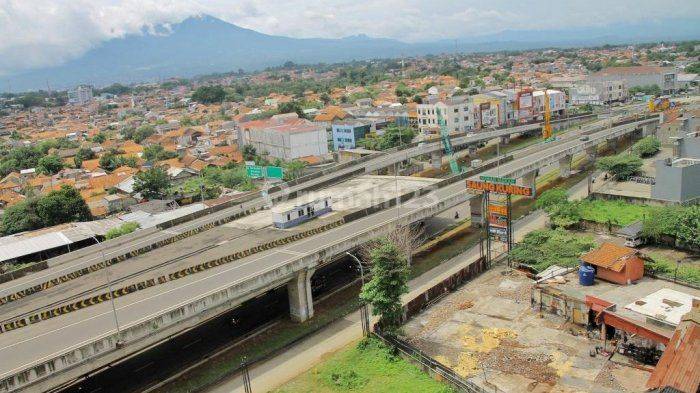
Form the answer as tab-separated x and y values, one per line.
49	353
86	261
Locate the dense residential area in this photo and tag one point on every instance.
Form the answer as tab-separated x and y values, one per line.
187	139
483	221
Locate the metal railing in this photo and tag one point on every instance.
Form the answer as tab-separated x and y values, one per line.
431	364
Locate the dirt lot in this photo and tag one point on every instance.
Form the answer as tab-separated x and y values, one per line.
488	333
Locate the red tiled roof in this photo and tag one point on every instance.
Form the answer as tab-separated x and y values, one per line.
281	123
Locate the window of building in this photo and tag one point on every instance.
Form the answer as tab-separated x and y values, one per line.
289	216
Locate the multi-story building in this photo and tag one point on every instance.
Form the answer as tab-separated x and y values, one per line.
459	114
285	136
557	102
80	95
346	133
599	93
638	76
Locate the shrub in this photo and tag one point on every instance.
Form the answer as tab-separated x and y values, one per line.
647	147
621	165
121	230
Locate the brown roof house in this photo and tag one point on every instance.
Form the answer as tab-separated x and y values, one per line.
618	264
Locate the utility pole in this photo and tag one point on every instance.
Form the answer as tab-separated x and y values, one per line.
364	311
111	293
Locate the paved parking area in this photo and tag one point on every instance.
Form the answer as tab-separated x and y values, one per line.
488	333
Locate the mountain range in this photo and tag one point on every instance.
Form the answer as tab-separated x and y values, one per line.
204	44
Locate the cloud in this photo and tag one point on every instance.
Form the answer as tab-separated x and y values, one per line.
39	33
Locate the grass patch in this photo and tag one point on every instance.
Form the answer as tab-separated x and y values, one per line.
616	212
663	266
367	367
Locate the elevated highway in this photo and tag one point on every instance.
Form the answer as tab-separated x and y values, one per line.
85	262
46	354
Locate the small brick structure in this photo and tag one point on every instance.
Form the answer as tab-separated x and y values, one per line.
617	264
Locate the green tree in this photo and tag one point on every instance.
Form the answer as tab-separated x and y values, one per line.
142	133
294	169
83	154
653	90
99	138
209	94
546	247
552	197
63	205
693	68
389	281
157	153
50	164
21	217
291	107
679	222
152	184
647	146
622	165
249	152
109	161
565	215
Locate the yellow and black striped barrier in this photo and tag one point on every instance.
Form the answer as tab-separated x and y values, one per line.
92	268
103	297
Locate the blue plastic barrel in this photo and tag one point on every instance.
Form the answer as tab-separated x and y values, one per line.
586	275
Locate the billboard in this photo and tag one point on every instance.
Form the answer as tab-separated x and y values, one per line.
499	188
525	100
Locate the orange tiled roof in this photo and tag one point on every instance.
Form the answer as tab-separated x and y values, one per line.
91	165
311	160
609	256
131	147
11	197
330	113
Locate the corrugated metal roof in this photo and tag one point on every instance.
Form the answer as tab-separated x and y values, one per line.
147	220
31	245
679	366
27	243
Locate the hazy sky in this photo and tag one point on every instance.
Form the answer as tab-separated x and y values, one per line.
36	33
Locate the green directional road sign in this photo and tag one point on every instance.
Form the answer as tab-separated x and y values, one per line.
494	179
254	171
274	172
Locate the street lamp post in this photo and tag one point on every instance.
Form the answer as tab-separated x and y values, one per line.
364	312
111	294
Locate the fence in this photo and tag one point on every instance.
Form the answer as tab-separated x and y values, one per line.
429	364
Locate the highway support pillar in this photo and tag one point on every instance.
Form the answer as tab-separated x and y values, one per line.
565	166
476	210
505	139
591	153
301	304
649	129
436	159
529	179
613	144
472	150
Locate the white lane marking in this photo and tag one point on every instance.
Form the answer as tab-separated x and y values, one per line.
225	286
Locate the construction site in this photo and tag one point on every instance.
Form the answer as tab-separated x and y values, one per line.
494	332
